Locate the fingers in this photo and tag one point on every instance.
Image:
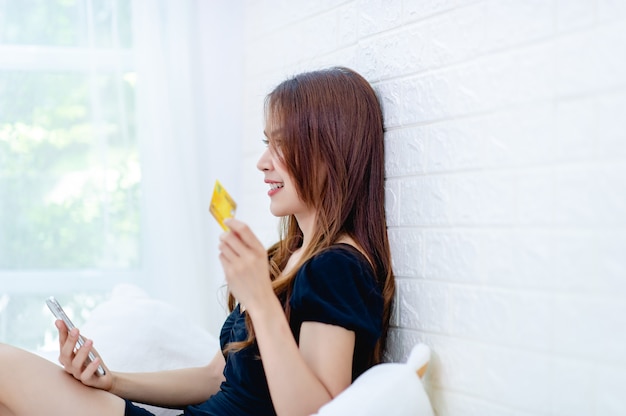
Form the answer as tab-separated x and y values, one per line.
67	347
231	247
62	331
243	231
239	241
72	358
84	367
90	370
80	358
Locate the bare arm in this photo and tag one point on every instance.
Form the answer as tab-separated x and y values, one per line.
314	373
173	388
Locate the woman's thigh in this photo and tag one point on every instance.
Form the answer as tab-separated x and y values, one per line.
31	385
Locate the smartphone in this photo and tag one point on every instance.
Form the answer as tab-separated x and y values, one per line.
59	313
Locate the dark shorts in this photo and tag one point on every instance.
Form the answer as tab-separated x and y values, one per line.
132	410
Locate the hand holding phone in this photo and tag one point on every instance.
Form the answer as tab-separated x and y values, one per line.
59	313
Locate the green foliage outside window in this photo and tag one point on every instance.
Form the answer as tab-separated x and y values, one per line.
69	163
69	178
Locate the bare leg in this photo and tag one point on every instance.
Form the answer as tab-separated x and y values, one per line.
31	385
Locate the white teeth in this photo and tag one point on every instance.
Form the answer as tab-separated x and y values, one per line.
276	185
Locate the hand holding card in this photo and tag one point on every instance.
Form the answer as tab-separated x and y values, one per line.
222	205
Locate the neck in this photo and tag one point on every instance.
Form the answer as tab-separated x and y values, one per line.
307	226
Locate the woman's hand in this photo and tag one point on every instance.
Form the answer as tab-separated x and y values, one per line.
245	264
76	362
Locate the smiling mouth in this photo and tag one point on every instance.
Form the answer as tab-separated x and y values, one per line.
274	186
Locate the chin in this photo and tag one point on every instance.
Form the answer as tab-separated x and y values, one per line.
277	212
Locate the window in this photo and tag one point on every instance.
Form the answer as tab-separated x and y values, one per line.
70	176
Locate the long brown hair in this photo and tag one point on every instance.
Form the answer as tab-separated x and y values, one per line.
331	141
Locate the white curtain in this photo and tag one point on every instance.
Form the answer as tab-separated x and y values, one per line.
189	69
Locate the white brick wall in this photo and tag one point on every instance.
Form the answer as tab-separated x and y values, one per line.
506	184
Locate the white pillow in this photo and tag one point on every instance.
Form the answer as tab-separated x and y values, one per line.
386	389
135	333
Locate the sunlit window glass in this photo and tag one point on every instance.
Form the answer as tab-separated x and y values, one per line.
70	170
74	23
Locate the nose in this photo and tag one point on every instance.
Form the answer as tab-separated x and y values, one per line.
265	161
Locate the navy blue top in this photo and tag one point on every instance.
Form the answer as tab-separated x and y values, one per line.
335	287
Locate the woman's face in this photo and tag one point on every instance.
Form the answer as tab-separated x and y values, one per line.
284	199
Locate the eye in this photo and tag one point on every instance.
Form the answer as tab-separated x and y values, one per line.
265	142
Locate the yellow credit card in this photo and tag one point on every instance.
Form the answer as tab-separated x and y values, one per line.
222	205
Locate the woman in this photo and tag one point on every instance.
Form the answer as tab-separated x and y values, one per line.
302	326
